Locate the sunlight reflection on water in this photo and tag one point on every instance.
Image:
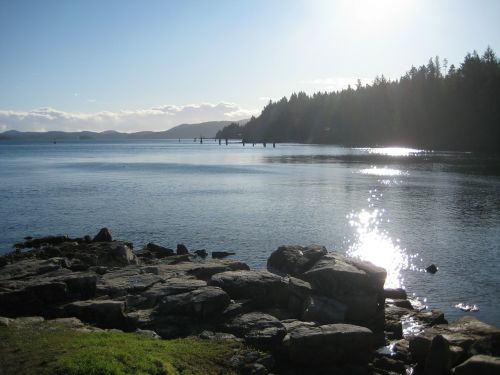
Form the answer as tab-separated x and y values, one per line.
392	151
383	171
374	244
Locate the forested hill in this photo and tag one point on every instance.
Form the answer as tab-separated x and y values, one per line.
434	106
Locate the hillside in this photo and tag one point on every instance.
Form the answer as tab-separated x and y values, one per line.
204	129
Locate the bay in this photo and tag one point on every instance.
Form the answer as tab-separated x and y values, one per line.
400	208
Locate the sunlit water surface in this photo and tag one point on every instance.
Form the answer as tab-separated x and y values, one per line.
399	208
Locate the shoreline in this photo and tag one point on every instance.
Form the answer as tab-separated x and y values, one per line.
308	305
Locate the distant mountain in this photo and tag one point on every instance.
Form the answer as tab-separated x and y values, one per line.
204	129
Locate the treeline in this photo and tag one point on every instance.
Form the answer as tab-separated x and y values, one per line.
434	106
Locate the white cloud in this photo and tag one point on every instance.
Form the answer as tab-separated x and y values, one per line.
155	118
335	83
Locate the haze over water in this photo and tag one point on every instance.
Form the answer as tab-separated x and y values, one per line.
402	209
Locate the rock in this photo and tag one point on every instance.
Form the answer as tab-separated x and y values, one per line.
126	280
148	333
182	249
294	260
123	255
32	297
430	318
221	254
200	270
27	268
404	303
479	364
393	329
431	269
159	251
72	323
390	365
358	285
104	235
201	303
211	335
323	310
438	360
4	322
38	242
258	329
395	293
251	362
468	333
263	288
78	265
152	296
28	320
177	259
201	253
103	313
80	285
332	344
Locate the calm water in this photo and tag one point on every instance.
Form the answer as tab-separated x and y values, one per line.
402	209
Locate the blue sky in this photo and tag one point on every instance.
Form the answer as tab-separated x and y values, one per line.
135	65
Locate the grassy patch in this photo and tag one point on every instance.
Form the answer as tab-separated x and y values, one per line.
51	349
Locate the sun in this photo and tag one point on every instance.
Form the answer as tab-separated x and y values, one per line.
366	16
379	15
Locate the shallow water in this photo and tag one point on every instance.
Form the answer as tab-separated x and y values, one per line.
400	208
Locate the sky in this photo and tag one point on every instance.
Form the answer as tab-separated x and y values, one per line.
133	65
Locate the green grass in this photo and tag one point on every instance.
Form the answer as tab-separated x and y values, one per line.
50	349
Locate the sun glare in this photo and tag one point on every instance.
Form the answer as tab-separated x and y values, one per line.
369	16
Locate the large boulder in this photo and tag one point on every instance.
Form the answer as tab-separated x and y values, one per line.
358	285
201	303
294	260
258	329
36	291
479	364
122	281
152	296
467	333
323	310
103	313
31	298
261	287
332	344
354	283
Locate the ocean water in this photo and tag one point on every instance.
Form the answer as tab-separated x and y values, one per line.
400	208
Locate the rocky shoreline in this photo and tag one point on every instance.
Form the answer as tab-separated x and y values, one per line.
312	311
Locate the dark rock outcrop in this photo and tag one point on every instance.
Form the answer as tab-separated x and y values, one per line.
201	303
258	329
104	235
469	334
316	311
479	364
221	254
182	249
294	260
159	251
331	344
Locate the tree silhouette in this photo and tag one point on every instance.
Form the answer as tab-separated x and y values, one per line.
432	107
